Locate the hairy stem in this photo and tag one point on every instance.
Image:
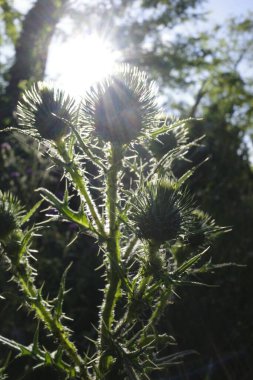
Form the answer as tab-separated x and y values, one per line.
81	186
159	309
112	291
131	245
163	298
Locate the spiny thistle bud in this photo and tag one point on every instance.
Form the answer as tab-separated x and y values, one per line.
119	107
202	229
161	212
10	214
13	245
166	142
46	112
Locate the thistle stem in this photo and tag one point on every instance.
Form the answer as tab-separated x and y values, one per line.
163	299
161	305
81	186
146	278
112	290
132	243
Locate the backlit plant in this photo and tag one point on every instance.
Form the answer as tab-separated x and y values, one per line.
130	202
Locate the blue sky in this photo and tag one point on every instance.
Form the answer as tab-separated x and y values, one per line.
223	9
220	9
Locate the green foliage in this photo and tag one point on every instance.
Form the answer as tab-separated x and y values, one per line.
140	215
10	17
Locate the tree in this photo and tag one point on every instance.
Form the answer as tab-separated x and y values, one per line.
224	185
31	48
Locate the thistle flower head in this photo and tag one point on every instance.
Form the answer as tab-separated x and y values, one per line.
160	212
11	213
120	106
13	244
202	229
46	112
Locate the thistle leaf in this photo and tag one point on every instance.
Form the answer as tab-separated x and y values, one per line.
185	176
189	263
86	149
174	358
25	243
24	351
30	213
60	296
58	355
5	366
35	346
166	127
77	217
48	359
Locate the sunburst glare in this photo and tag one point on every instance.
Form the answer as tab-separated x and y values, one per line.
81	61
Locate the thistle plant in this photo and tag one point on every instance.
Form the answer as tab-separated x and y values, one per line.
134	207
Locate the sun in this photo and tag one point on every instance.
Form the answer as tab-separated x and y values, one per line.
79	62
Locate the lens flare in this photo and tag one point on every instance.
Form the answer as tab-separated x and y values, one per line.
81	61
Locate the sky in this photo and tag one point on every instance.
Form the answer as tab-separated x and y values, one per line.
220	8
223	9
62	56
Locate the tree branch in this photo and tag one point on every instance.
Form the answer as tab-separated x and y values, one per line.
31	52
